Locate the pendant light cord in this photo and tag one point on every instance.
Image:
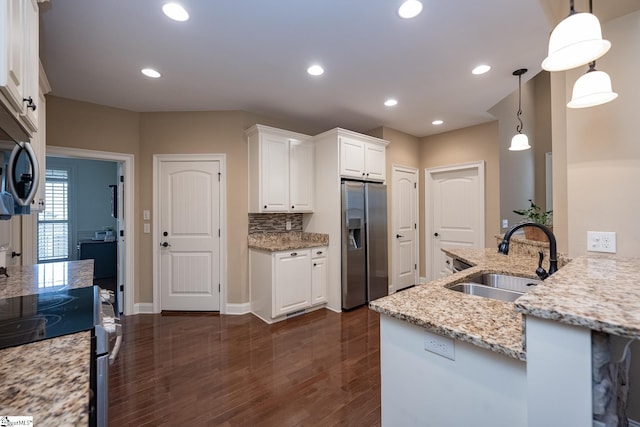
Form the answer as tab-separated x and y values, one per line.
520	126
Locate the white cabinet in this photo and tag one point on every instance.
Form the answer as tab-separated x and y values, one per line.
362	159
281	170
39	142
19	60
319	275
285	282
292	290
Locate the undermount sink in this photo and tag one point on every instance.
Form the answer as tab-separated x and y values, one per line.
496	286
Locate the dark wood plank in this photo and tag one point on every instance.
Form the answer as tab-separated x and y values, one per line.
322	368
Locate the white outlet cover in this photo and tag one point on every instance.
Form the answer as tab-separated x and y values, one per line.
601	241
442	346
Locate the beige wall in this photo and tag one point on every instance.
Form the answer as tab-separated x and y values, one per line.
93	127
466	145
602	165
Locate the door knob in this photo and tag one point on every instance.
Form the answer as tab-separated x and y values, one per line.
164	244
398	236
436	234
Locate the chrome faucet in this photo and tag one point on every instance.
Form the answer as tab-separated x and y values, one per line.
503	248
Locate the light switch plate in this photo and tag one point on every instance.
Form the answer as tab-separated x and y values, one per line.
146	215
601	241
505	223
147	228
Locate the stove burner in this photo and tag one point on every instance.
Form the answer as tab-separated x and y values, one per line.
26	329
53	300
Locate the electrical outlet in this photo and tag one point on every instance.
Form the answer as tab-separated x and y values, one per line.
146	228
505	223
439	345
601	241
288	225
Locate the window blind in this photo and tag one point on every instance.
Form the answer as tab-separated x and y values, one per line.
53	222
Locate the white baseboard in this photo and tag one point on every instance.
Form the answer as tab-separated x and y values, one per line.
423	280
238	309
143	308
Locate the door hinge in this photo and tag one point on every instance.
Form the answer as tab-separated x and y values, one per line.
415	266
219	173
218	287
121	288
121	233
218	232
415	185
121	178
415	226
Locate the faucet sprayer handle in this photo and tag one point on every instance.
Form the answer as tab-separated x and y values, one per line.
541	272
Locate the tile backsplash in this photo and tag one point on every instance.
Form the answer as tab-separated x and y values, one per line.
274	222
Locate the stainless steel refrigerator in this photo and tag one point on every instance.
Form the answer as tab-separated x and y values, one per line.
364	243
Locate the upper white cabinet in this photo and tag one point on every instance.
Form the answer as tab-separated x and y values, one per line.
281	170
39	142
362	158
19	60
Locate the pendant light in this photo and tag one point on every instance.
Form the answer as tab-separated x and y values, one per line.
575	41
520	141
592	88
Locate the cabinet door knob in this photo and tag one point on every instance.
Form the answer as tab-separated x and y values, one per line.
265	206
293	207
319	253
314	264
294	253
435	235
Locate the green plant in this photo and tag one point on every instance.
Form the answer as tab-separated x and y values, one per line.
535	214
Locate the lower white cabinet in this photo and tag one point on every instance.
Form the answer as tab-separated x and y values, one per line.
319	276
286	282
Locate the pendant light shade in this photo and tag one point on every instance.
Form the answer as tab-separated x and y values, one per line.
593	88
575	41
520	141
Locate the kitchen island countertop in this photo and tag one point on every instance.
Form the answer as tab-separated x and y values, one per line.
487	323
48	379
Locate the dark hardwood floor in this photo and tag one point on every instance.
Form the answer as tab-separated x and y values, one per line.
322	368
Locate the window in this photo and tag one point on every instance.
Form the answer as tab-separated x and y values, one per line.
53	222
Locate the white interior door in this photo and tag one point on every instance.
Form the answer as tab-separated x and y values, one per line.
405	227
189	226
455	213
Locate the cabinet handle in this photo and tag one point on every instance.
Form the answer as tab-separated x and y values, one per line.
362	173
319	253
367	173
294	253
314	264
30	103
15	254
265	206
293	207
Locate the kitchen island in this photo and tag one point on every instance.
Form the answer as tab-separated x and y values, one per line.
527	363
48	379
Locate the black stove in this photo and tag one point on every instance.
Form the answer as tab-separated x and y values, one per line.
31	318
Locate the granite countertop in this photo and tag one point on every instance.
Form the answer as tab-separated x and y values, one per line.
38	278
599	292
273	242
48	379
487	323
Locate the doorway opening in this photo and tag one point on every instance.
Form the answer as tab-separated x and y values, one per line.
88	215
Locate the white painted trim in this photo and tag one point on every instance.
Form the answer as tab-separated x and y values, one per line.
222	158
633	423
129	213
423	280
238	309
143	308
333	309
394	256
428	202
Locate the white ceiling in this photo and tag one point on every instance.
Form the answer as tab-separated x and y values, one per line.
252	55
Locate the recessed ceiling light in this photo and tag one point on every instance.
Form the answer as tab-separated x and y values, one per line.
150	72
481	69
410	9
175	12
437	122
390	102
315	70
